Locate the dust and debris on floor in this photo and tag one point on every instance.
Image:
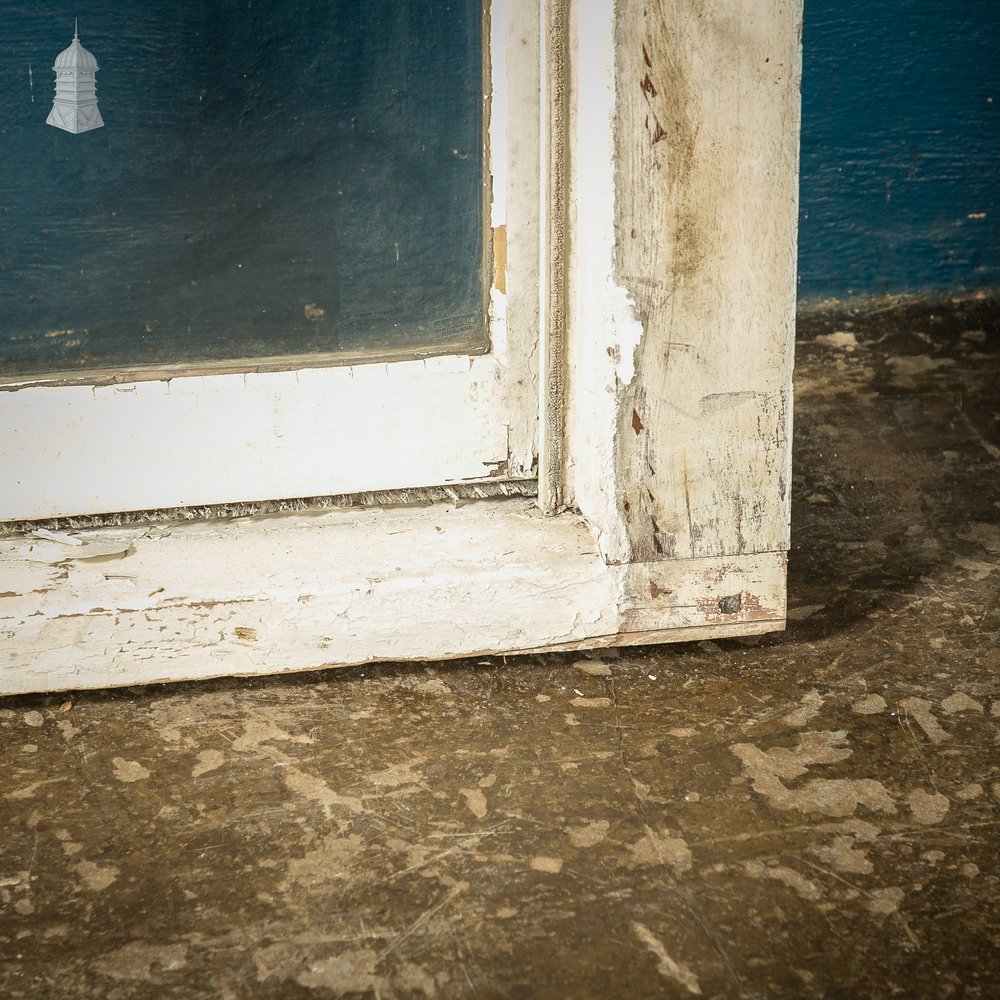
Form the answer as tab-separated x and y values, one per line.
811	814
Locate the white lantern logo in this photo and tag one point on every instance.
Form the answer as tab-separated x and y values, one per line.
75	106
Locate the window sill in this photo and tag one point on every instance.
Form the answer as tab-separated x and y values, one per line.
272	594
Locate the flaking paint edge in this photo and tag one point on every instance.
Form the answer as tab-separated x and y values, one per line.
605	330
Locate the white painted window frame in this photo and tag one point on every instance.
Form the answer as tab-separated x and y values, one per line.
668	163
90	443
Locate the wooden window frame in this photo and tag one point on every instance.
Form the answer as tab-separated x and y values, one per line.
669	160
86	443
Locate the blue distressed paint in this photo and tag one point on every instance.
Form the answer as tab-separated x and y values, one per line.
900	147
257	159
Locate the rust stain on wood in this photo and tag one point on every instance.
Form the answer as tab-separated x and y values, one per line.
743	607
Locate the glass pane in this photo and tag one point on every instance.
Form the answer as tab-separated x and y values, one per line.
269	179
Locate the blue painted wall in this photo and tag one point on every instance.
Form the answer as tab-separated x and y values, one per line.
900	147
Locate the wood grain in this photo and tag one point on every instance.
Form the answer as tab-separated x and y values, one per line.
706	161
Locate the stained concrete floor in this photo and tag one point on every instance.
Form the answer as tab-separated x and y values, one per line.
813	814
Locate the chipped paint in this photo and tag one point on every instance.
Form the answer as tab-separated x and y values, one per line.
705	170
188	603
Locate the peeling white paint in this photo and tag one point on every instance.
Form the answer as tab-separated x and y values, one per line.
625	321
603	331
498	327
298	592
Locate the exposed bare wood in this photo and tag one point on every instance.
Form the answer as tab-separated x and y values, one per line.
423	496
707	156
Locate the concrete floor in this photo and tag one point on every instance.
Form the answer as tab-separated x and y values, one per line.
814	814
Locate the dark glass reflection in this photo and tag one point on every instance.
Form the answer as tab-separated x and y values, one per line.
271	179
